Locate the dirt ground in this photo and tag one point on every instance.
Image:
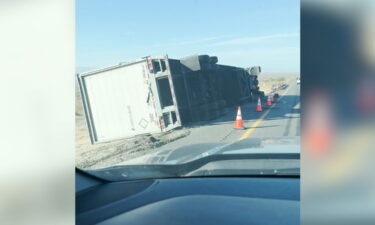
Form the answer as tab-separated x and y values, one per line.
89	156
267	81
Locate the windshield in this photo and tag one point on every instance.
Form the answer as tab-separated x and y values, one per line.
187	104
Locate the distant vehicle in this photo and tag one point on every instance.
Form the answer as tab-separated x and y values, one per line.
216	183
298	80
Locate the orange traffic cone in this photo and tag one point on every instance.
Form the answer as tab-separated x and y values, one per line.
259	106
268	103
238	124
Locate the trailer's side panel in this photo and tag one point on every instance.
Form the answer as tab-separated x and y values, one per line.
118	103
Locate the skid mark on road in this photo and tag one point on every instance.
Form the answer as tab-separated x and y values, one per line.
252	128
227	135
259	121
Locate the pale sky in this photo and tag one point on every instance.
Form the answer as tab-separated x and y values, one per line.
240	32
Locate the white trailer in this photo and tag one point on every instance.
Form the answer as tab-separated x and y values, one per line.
129	99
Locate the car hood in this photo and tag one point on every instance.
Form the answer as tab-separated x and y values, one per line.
196	151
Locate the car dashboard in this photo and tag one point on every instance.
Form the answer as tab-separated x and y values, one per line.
197	200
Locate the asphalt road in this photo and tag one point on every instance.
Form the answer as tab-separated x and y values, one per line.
280	119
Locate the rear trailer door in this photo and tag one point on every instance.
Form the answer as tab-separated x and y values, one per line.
164	94
117	102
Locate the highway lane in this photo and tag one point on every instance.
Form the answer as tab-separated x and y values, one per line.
281	119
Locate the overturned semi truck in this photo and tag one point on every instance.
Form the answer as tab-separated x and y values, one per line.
157	94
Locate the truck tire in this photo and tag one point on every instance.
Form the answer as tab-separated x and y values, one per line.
261	94
213	59
204	58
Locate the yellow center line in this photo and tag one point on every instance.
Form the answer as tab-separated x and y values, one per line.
257	122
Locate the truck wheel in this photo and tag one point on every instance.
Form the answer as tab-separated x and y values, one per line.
204	58
213	59
261	94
